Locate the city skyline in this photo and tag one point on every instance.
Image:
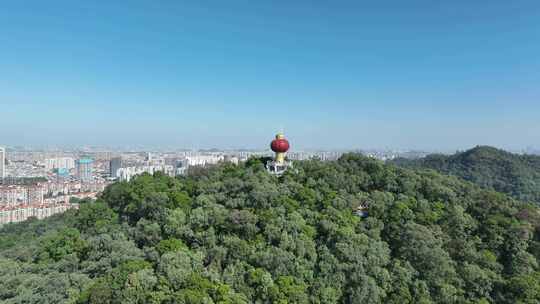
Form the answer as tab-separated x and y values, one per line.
416	75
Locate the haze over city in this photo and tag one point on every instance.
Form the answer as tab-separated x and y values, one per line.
416	74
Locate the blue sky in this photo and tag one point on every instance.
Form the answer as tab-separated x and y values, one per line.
332	74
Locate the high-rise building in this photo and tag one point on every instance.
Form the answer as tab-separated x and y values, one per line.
84	169
2	162
114	165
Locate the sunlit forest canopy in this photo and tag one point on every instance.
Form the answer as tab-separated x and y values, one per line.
236	234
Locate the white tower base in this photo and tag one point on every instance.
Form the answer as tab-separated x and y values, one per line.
277	168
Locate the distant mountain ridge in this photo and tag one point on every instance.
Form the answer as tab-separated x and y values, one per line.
488	167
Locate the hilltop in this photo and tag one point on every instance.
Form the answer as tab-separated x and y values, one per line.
488	167
235	234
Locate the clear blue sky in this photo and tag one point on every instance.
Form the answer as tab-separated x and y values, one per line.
334	74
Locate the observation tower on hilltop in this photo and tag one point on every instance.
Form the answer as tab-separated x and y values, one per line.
280	145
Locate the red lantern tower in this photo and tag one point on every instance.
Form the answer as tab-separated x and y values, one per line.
280	146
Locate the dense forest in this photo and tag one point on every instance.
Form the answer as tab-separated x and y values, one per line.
235	234
488	167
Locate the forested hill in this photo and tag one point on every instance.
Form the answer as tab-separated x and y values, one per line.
235	234
488	167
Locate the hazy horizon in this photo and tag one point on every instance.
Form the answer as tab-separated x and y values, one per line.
343	75
171	149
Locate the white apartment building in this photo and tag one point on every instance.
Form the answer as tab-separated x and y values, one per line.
204	160
59	163
19	214
2	162
13	195
126	174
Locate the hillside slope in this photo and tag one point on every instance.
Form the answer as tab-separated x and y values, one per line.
488	167
234	234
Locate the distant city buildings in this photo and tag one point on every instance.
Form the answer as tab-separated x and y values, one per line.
42	199
19	214
85	168
181	166
61	173
13	195
2	162
126	174
60	163
18	195
231	159
204	160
